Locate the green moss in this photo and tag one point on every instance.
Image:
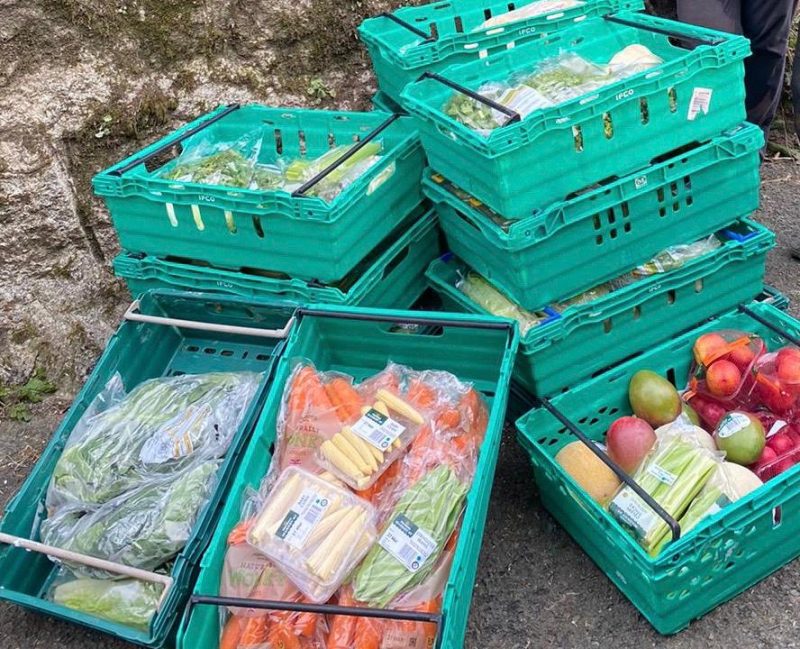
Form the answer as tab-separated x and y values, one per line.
15	400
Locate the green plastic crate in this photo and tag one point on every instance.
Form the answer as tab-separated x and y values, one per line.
574	245
593	138
725	554
360	346
301	236
393	276
773	296
412	40
140	351
381	101
589	338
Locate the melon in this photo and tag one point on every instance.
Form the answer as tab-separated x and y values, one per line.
589	471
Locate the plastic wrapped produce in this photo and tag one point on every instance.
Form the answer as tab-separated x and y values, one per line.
161	427
143	528
226	163
722	368
673	474
126	601
532	10
674	257
314	531
488	297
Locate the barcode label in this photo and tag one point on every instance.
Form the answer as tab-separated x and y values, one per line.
632	511
307	511
701	99
407	543
378	429
662	475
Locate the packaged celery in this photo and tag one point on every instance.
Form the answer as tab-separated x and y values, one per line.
673	474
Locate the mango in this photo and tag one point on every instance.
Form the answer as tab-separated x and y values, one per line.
653	398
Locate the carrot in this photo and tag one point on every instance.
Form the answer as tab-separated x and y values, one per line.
346	395
448	418
368	634
421	395
305	624
342	627
282	637
231	633
255	632
307	392
238	534
476	414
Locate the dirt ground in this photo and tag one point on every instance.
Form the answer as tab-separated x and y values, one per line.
535	586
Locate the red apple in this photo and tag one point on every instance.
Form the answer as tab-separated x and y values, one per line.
723	378
780	443
629	440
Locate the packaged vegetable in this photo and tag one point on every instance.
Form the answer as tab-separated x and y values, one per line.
161	427
412	540
127	601
143	528
673	474
532	10
488	297
315	531
274	630
632	60
228	163
675	257
723	367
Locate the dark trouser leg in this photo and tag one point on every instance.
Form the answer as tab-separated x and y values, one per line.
722	15
766	23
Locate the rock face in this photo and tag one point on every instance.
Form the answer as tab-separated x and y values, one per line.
84	83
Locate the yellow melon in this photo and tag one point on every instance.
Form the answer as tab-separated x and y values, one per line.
589	471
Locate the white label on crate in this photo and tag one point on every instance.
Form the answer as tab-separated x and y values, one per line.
661	474
302	518
407	543
174	439
732	423
632	511
378	429
381	178
640	182
701	99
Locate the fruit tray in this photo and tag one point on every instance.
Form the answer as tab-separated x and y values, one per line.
411	40
296	233
391	276
587	338
543	257
695	94
164	334
727	552
478	349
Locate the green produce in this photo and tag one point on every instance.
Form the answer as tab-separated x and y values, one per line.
488	297
161	427
741	436
228	167
690	414
673	475
653	398
432	505
143	528
127	601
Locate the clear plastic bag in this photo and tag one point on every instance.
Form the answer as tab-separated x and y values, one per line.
127	601
723	367
143	528
228	163
302	170
163	426
631	60
315	531
675	257
673	474
532	10
488	297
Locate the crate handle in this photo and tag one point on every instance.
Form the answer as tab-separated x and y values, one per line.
133	314
769	325
624	477
168	145
429	38
350	153
661	30
513	116
375	317
92	562
322	609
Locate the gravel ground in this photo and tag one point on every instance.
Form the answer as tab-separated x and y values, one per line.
535	586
